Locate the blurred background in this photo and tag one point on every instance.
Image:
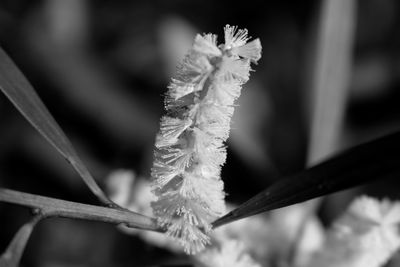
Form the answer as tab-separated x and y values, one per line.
102	67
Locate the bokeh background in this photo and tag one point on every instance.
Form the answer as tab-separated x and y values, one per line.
102	67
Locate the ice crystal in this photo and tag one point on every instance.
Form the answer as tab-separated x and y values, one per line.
190	146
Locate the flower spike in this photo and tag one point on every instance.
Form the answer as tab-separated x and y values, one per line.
190	146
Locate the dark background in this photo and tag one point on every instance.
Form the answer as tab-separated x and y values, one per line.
102	67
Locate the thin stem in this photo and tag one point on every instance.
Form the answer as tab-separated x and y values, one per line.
52	207
12	256
20	92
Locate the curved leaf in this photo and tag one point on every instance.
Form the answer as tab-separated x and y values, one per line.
21	93
12	256
377	159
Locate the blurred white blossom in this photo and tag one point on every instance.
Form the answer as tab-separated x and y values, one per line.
230	253
271	237
190	145
119	185
367	235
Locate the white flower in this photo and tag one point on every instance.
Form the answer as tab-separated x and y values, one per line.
190	146
207	45
170	130
367	235
134	193
234	37
119	184
236	42
231	253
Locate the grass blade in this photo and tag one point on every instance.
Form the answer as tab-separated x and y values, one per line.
331	75
21	93
377	159
12	256
329	83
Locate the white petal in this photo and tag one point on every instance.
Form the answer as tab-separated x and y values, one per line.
251	50
234	37
190	236
178	158
207	44
164	173
225	92
178	89
207	190
232	68
193	68
170	130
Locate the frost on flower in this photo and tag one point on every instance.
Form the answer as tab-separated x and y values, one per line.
190	146
134	193
367	235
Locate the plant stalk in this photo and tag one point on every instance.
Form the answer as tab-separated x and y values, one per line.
52	207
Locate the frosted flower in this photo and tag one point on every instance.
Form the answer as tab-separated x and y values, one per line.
236	42
231	253
207	44
134	193
190	146
367	235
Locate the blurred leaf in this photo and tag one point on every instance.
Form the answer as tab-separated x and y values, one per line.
12	256
330	79
21	93
331	76
377	159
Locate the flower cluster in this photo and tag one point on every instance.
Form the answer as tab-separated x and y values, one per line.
367	235
231	253
190	146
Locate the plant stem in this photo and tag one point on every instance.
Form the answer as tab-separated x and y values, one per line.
12	256
52	207
20	92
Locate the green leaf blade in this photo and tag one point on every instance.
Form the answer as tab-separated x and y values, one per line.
24	97
377	159
12	255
